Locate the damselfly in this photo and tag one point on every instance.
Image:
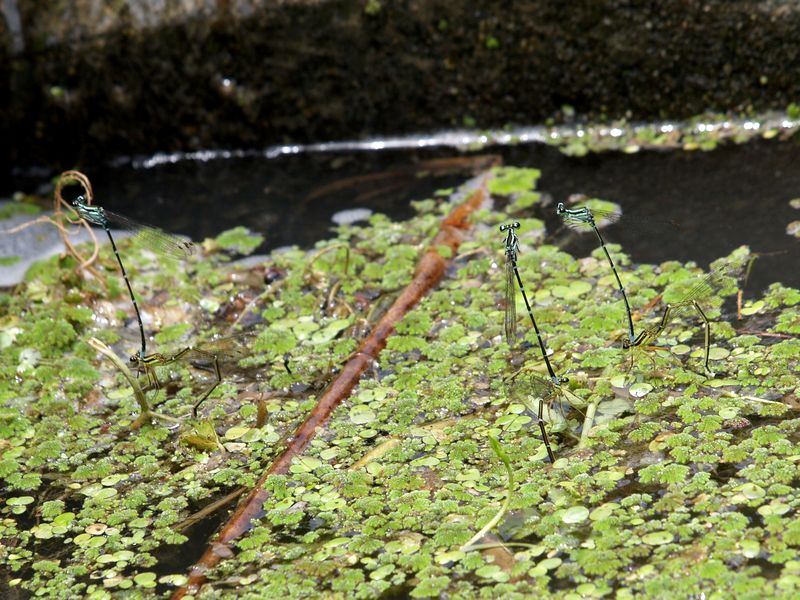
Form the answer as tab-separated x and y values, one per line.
577	218
710	285
150	236
512	273
219	353
525	388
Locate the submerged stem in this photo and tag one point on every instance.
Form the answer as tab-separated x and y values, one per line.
498	450
144	407
588	422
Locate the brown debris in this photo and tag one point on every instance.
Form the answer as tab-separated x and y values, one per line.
428	274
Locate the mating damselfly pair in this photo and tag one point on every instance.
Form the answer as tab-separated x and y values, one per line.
214	353
703	288
578	218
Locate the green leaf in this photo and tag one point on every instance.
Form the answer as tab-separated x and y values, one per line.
239	239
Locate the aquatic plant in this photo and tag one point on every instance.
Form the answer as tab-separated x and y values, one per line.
680	482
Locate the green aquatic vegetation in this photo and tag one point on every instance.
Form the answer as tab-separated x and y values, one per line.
513	180
679	479
239	239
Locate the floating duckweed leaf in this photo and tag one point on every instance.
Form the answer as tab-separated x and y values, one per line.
382	572
658	538
774	508
304	326
575	514
105	493
572	291
717	353
305	464
602	512
728	412
492	572
508	180
121	556
139	523
145	580
449	557
43	531
329	332
615	406
329	453
793	229
234	433
239	239
96	529
210	305
524	200
681	349
469	475
368	395
119	393
425	461
175	580
751	491
752	308
113	479
639	390
20	500
619	381
608	476
718	383
361	414
64	519
91	489
512	423
548	564
750	548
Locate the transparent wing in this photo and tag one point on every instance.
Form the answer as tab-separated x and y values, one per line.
529	389
510	321
152	237
227	350
710	286
580	218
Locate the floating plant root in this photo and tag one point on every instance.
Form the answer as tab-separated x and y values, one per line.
429	272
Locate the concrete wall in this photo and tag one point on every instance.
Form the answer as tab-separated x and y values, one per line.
87	79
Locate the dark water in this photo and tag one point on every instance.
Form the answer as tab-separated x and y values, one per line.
736	194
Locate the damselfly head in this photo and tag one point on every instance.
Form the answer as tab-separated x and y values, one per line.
560	208
507	226
79	200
